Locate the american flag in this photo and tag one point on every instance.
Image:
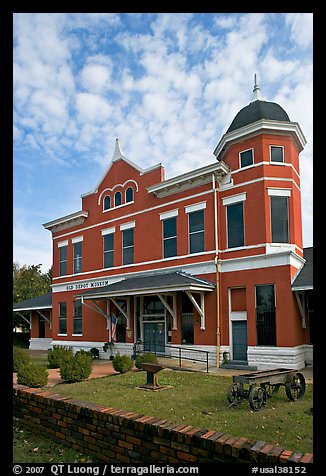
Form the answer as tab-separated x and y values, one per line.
114	321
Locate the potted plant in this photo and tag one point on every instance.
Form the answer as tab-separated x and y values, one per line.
109	345
226	357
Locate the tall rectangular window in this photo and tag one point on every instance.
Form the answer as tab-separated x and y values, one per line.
235	225
196	231
170	237
280	219
62	318
265	315
63	260
77	317
128	246
277	153
78	257
108	250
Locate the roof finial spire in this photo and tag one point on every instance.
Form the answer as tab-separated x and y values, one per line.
117	154
256	89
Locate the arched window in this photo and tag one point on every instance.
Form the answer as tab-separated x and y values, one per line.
107	202
129	195
117	199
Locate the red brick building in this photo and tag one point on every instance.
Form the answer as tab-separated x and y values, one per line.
205	260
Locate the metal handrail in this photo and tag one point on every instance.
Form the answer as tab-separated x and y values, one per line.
137	351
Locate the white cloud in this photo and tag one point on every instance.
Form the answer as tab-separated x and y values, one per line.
301	25
92	107
95	78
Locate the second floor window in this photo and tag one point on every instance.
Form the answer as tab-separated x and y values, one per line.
62	318
196	231
108	250
128	246
235	225
280	219
63	260
78	257
169	237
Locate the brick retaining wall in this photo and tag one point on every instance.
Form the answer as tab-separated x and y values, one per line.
121	436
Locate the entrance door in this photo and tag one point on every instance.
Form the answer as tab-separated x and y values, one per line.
41	327
154	337
239	340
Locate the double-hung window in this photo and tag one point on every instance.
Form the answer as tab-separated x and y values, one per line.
265	315
279	200
196	227
77	242
169	230
108	247
63	247
235	220
62	318
77	317
127	243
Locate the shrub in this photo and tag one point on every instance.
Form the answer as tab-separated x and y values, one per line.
83	352
122	363
32	375
147	357
20	359
57	355
76	367
95	352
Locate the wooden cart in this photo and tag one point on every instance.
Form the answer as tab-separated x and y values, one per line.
257	386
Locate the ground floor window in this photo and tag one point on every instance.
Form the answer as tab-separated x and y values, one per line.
62	318
77	317
265	315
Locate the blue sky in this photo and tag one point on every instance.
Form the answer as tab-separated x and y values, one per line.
166	84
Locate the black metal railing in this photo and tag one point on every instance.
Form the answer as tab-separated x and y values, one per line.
160	350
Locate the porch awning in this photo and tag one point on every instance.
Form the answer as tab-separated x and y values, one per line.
151	283
304	279
39	302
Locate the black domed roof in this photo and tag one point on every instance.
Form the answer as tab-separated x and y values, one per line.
256	111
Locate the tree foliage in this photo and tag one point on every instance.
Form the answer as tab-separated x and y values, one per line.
29	282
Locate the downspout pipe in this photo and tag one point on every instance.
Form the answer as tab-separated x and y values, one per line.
218	327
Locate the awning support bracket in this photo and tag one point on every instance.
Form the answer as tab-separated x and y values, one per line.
301	306
200	308
29	322
45	317
125	313
173	311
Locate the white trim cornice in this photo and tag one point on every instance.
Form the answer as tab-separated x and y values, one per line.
188	180
67	221
263	125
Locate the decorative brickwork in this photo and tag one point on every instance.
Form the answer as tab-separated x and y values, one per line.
121	436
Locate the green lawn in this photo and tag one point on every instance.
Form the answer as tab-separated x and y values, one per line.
199	400
30	448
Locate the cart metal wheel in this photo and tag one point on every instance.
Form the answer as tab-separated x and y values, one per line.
271	389
257	398
233	393
295	386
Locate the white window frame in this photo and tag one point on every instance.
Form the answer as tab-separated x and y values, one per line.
253	158
270	154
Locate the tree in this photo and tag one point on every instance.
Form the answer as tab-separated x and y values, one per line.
28	282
